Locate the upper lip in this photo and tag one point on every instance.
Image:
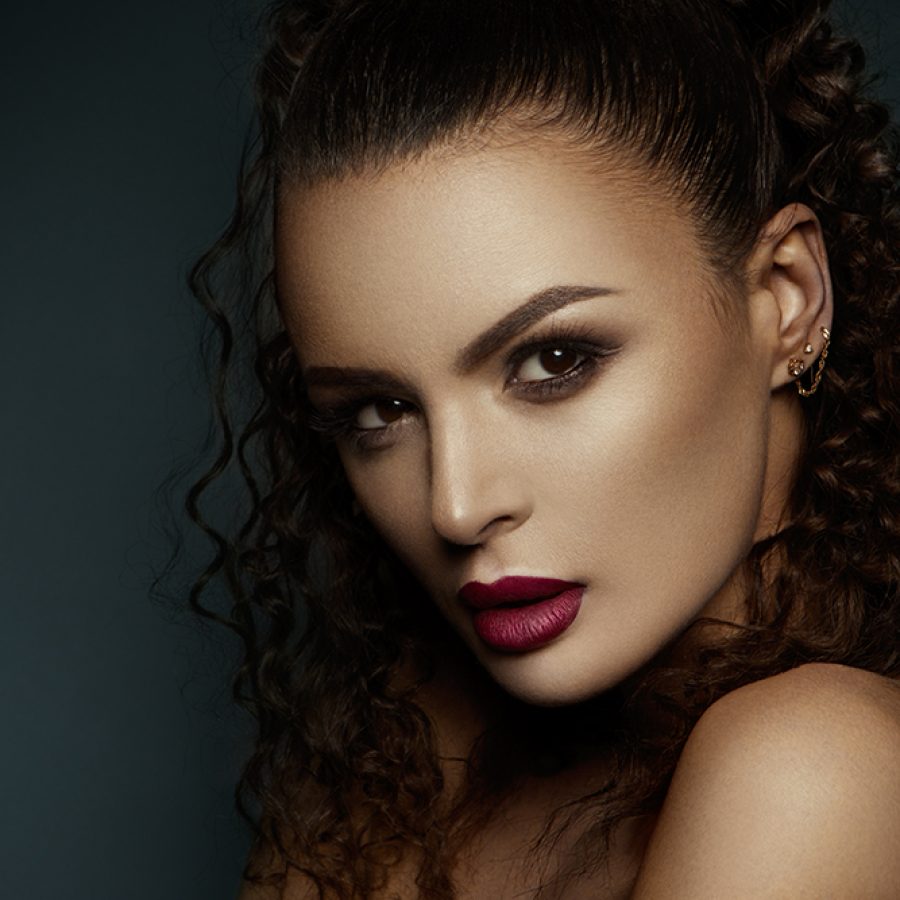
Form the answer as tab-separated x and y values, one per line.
512	589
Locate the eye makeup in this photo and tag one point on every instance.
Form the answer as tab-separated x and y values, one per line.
339	421
570	337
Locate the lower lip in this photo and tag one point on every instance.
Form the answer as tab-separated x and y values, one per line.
520	628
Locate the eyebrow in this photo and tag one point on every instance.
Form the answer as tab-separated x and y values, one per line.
536	307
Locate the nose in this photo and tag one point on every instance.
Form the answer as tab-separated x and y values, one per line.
478	486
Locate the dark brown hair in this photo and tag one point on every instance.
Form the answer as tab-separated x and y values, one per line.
739	108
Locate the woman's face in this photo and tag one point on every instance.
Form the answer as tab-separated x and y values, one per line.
527	377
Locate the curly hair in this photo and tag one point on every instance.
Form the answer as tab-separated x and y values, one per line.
344	780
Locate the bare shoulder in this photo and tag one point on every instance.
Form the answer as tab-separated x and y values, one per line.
813	695
787	787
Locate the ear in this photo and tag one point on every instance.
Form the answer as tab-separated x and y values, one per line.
790	290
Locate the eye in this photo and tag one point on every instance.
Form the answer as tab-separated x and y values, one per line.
558	363
366	424
380	414
549	363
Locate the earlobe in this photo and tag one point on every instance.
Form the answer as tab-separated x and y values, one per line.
788	273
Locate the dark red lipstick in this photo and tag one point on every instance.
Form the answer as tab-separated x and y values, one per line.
515	614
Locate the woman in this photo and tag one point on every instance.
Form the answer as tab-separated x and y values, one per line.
572	562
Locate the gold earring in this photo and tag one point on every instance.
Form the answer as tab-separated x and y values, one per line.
796	367
808	348
814	386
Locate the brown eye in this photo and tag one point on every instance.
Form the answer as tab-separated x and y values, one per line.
549	363
381	413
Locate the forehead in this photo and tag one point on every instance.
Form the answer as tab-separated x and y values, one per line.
435	249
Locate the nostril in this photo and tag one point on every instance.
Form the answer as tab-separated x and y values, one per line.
495	525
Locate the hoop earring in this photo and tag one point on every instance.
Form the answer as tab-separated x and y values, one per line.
817	377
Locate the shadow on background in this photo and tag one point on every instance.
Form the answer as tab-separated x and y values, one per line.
123	125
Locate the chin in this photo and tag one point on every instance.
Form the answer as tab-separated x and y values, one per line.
546	677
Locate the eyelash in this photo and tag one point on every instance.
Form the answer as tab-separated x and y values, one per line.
336	422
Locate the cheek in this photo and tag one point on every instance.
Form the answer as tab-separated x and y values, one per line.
668	481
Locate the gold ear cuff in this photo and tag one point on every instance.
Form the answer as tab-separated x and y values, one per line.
796	367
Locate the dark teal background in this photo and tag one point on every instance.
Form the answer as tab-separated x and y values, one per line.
121	126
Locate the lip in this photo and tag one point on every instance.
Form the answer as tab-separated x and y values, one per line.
516	614
512	589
